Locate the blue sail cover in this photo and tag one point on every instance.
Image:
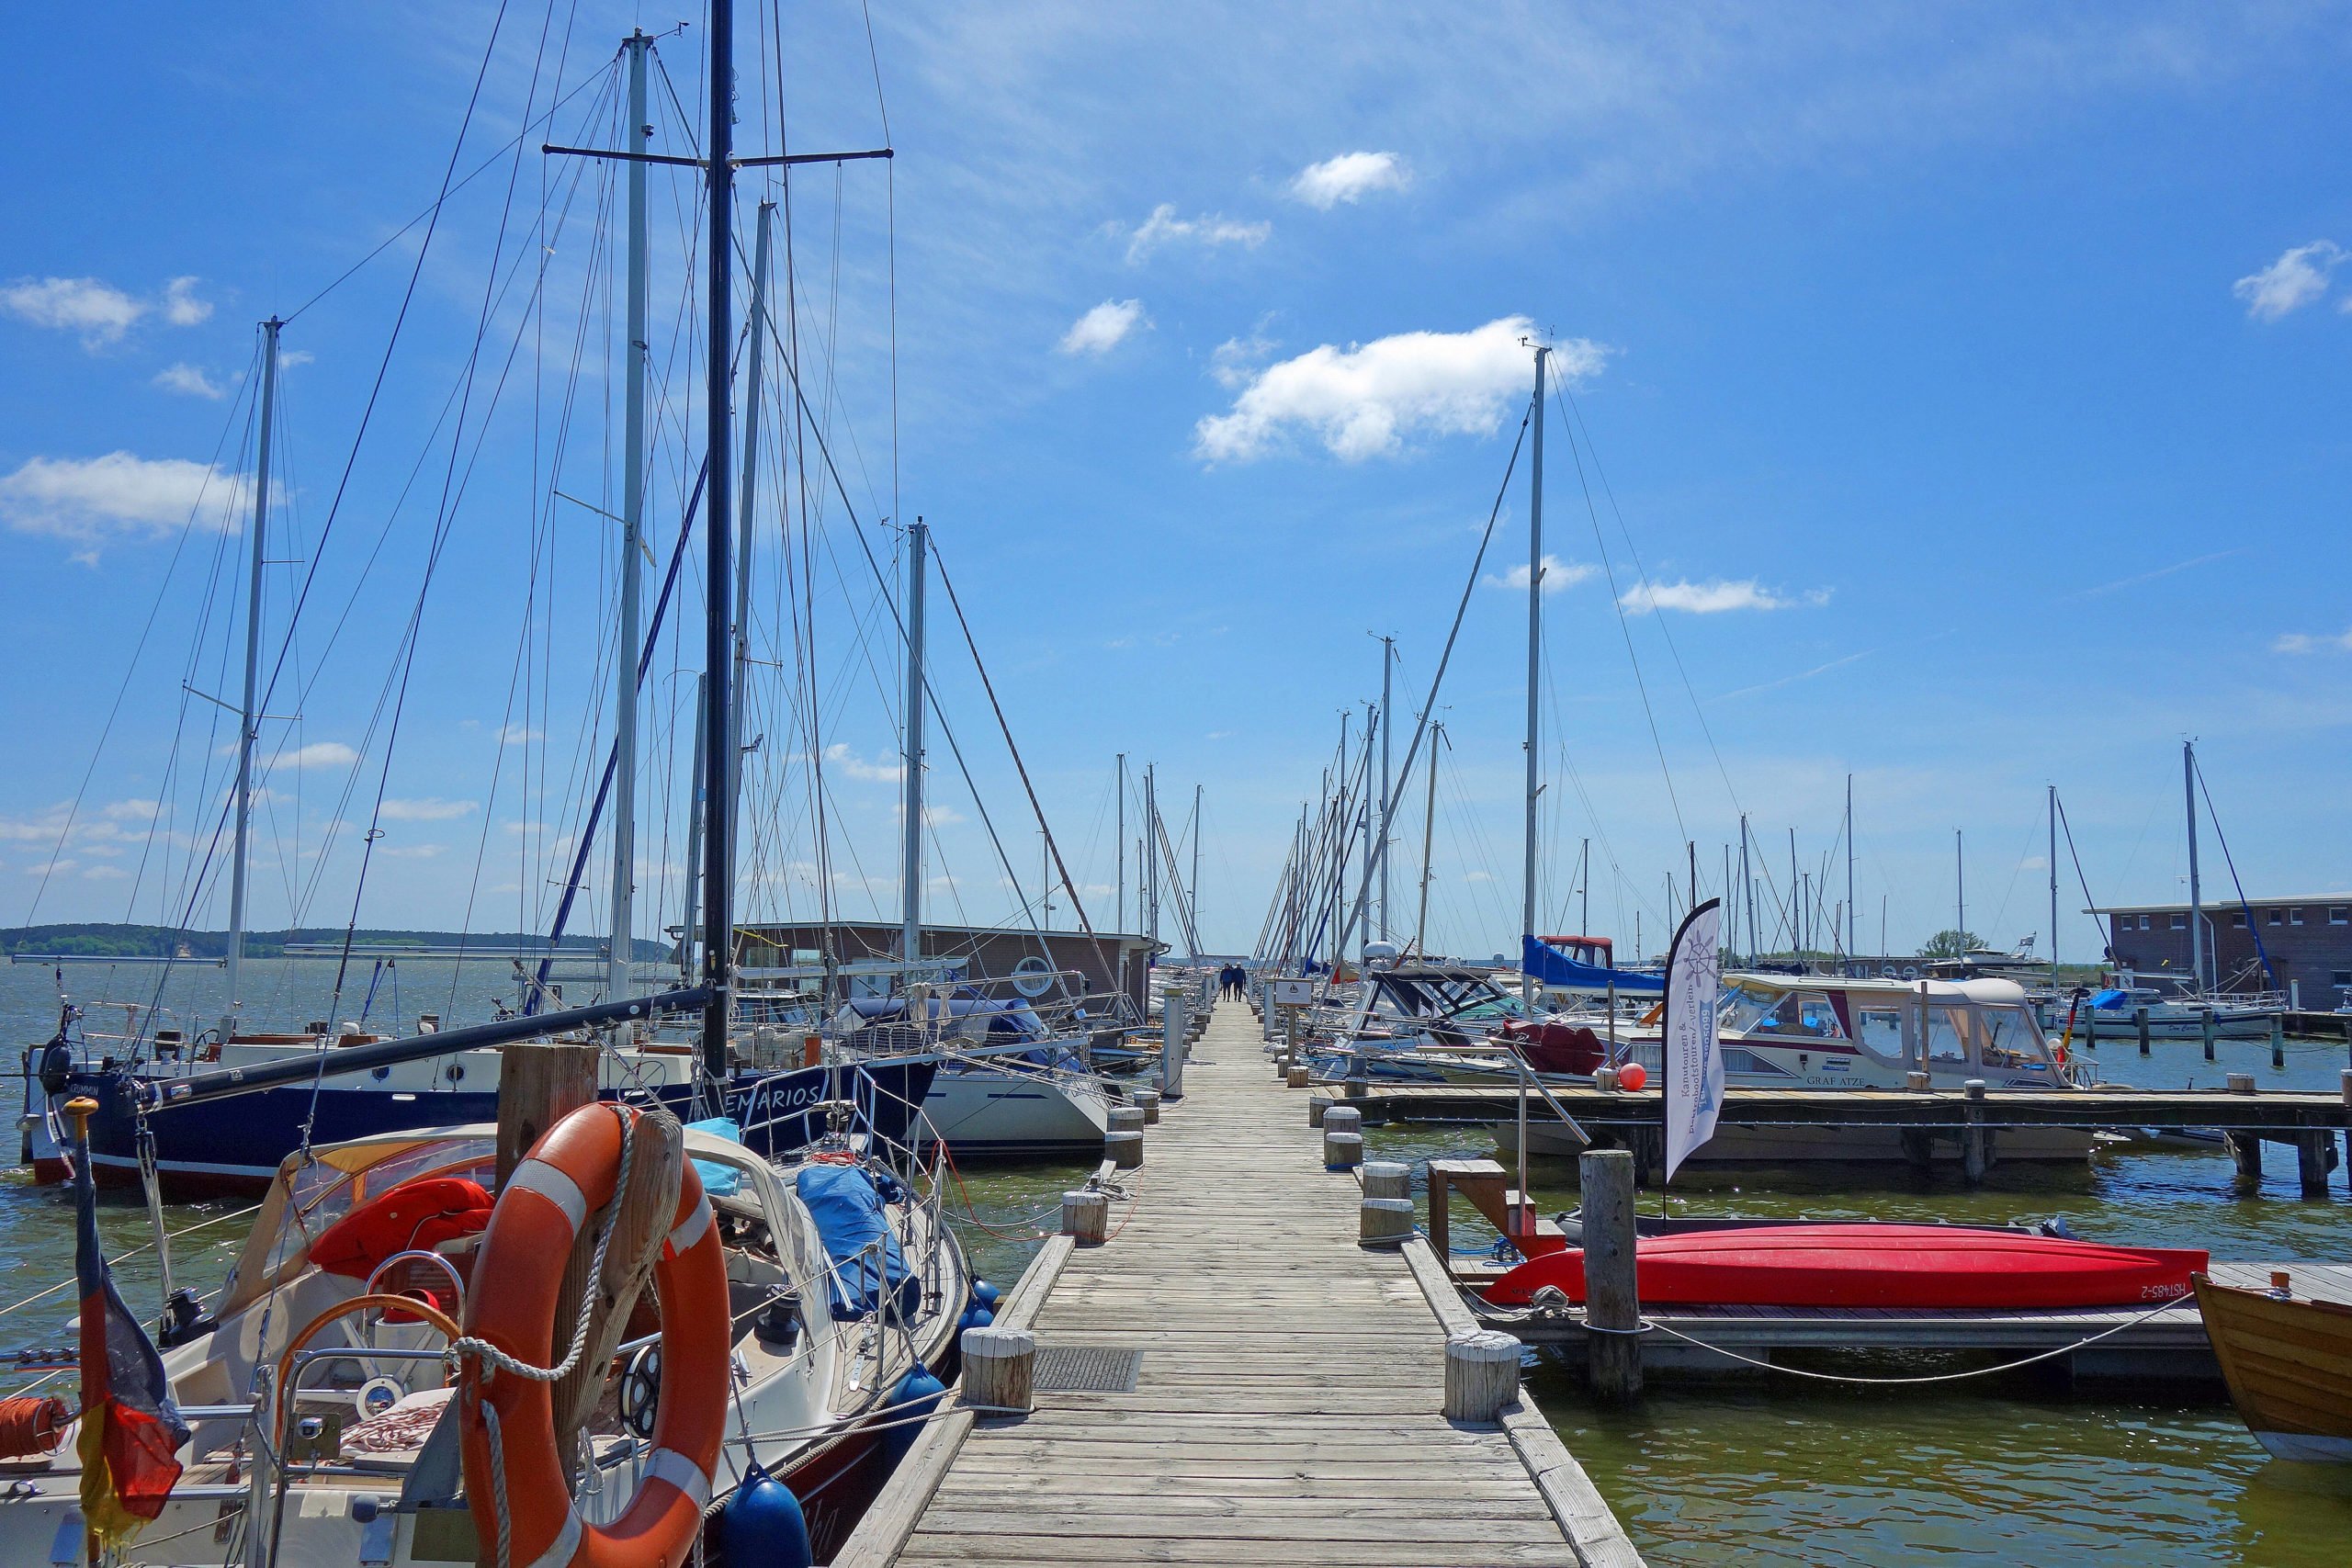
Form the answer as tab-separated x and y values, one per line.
850	1219
1548	965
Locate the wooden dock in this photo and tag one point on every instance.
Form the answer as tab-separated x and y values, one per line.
1232	1379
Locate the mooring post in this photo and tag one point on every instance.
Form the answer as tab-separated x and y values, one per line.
1147	1101
1481	1376
2310	1162
2140	1018
1171	1042
1125	1149
1126	1119
2091	1029
1086	1216
1296	1076
1317	1104
2245	1149
1612	1310
1386	1216
2205	1027
2278	1042
999	1369
539	1084
1976	1143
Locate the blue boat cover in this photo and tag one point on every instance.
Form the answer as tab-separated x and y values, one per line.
1549	967
718	1180
850	1220
2109	998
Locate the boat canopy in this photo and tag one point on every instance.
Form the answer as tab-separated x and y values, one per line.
1548	965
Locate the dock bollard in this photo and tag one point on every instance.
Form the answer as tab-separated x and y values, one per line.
1296	1077
2140	1022
1612	1292
2277	1043
1977	1144
1918	1083
1147	1101
1386	1179
1318	1104
1086	1216
1341	1151
2240	1083
1386	1222
2346	1081
1000	1368
2205	1027
1481	1376
1126	1119
1125	1149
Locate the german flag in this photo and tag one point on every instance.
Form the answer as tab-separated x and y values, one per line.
131	1432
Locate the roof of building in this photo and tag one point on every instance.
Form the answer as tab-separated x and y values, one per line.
2224	905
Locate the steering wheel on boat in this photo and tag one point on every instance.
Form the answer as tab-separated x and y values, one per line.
432	1317
641	1391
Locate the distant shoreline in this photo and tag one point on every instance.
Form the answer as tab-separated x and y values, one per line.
108	940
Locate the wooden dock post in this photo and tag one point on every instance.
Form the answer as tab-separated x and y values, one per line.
1086	1216
2239	1083
1386	1179
2140	1018
1342	1119
1384	1221
1318	1103
540	1082
1341	1151
1147	1101
2312	1150
2205	1027
1296	1077
999	1369
2091	1029
1481	1376
2278	1042
1126	1119
1976	1143
2246	1148
1612	1295
1125	1149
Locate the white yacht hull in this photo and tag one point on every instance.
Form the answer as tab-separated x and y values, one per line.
1003	1113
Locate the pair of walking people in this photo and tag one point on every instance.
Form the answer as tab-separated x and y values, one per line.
1233	982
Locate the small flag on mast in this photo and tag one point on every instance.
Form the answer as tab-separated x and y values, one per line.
131	1432
1690	1059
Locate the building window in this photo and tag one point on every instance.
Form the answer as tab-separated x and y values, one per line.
2180	923
2339	915
2237	919
2278	917
2344	978
2294	916
2144	923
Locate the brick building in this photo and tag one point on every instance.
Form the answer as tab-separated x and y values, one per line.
2307	939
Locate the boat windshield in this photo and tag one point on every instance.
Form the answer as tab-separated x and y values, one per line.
1749	1008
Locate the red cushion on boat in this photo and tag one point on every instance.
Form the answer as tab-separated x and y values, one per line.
413	1216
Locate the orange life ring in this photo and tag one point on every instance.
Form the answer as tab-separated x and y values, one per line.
569	1176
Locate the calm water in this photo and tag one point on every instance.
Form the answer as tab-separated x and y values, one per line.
2013	1470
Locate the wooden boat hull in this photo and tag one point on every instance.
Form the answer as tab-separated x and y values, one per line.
2288	1365
1876	1265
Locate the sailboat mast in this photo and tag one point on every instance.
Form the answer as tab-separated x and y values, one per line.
1119	837
1960	884
698	805
755	339
2195	892
1534	666
1388	780
2053	889
1195	890
248	721
910	918
1429	837
718	573
626	643
1853	916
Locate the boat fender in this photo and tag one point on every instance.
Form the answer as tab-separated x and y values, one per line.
977	1315
31	1424
918	1394
763	1524
984	1293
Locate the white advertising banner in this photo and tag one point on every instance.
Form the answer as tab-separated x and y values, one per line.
1691	1062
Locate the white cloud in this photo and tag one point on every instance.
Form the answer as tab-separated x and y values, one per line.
517	735
1365	400
430	808
1104	327
288	358
933	817
414	851
91	499
2293	281
1211	228
96	308
842	759
190	380
2304	642
1234	360
317	754
1349	177
181	307
1559	576
1713	597
1477	877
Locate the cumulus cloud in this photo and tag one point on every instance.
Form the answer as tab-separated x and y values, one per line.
1163	228
842	759
1104	327
2305	642
189	382
317	754
91	499
1367	399
1559	576
1236	360
1349	177
96	308
2293	281
1713	597
430	808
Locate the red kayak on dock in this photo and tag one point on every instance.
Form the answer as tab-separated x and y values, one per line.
1876	1265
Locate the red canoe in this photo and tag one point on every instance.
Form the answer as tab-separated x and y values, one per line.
1876	1265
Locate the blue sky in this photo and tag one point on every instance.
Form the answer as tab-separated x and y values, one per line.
1968	383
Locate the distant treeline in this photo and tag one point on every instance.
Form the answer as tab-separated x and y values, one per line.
115	940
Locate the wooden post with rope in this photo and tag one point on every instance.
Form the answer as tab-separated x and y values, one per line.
641	1215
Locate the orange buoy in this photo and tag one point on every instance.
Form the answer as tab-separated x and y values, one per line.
570	1175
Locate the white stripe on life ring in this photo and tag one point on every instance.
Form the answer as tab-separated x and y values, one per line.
537	1176
669	1465
690	1229
566	1539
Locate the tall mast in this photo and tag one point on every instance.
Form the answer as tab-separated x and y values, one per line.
1148	860
1852	914
1120	837
1534	666
1195	890
1748	887
755	339
2053	889
1584	881
718	573
910	919
624	645
1387	783
697	808
1960	881
1429	837
248	721
2195	892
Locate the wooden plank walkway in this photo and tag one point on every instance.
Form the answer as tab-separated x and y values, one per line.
1286	1407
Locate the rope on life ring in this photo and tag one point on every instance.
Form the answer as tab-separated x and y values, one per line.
523	1512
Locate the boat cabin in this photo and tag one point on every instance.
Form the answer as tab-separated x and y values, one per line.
1820	1031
